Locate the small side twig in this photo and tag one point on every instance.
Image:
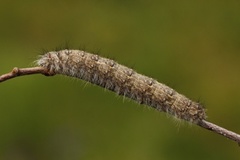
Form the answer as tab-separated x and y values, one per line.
16	72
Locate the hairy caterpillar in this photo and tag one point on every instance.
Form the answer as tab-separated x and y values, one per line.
122	80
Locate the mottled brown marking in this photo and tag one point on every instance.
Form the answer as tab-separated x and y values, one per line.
122	80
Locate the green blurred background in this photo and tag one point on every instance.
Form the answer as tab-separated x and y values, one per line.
192	46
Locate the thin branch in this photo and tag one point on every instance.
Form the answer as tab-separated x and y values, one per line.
219	130
16	72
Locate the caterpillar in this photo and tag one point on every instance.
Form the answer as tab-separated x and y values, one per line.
122	80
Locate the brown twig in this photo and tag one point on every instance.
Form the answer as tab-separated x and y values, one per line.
219	130
16	72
